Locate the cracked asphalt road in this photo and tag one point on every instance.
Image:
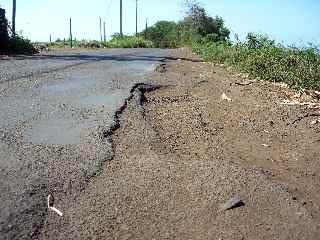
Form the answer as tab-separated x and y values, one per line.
54	111
177	154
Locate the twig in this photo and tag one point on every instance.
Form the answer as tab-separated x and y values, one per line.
306	116
50	201
243	84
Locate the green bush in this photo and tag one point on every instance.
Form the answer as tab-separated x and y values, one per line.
163	34
86	44
15	43
129	42
20	45
261	57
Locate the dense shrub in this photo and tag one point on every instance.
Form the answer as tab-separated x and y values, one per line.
20	45
163	34
261	57
86	44
129	42
14	44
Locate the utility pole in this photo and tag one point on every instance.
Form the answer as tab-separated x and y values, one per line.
70	32
136	18
100	30
50	39
14	8
146	30
104	33
121	33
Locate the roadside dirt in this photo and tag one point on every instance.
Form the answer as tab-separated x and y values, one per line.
186	151
254	131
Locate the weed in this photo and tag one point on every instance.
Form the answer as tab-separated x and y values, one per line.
261	58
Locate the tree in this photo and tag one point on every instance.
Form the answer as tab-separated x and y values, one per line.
4	37
201	25
163	34
195	26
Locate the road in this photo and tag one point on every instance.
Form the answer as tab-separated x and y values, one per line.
53	113
163	168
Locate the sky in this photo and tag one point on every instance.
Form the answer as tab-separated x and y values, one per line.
287	21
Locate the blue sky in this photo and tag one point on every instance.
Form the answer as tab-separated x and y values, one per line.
287	21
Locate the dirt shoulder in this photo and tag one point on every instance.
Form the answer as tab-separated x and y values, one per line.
185	152
224	119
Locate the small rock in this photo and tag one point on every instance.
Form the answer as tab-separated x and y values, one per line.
225	97
315	121
232	203
265	145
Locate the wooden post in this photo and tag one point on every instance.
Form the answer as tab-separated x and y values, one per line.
104	33
100	30
14	9
136	18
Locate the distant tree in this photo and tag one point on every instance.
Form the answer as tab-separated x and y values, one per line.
185	30
116	36
201	25
163	34
195	26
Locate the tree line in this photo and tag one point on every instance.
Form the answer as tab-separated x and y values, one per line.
196	26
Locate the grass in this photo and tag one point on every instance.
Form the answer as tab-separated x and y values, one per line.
262	59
